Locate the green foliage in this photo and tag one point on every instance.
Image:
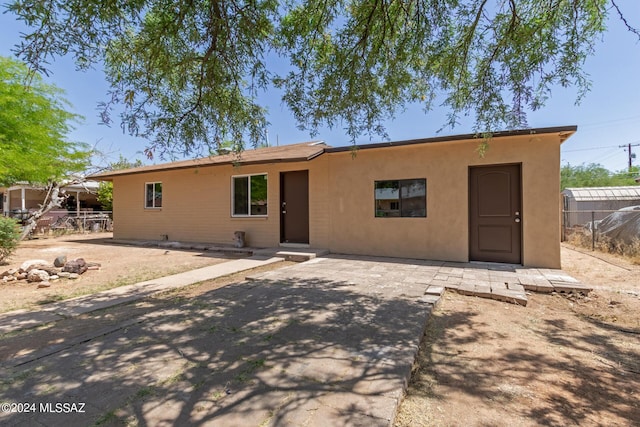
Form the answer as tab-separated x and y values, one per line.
124	163
190	74
105	189
9	237
33	128
105	195
595	175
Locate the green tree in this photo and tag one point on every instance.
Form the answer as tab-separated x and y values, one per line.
627	177
105	188
9	237
34	124
105	195
189	73
595	175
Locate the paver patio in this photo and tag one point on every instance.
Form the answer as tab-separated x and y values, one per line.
327	342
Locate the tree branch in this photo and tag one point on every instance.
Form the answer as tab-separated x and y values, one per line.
623	19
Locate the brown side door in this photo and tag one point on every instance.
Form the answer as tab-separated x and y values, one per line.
495	223
294	207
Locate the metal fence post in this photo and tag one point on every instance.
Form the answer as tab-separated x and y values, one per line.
593	230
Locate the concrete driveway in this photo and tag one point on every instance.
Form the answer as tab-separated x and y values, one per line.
326	342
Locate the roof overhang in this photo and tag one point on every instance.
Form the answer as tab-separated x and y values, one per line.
312	150
564	132
315	149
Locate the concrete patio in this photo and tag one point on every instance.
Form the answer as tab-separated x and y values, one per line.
330	341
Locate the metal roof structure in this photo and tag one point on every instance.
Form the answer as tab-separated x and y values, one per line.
603	193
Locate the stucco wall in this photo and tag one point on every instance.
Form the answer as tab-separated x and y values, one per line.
197	205
444	233
197	202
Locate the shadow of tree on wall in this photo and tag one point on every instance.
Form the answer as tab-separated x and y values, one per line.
588	372
254	353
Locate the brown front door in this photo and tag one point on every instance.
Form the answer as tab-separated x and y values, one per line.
294	207
495	227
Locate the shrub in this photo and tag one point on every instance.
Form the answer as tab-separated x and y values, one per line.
9	237
105	195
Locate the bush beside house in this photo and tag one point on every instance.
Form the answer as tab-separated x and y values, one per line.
9	237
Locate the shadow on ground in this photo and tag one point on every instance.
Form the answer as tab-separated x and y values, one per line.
551	370
254	353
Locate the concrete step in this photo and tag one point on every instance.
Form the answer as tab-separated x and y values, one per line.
301	255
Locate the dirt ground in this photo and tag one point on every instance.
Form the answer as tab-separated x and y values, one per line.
562	360
120	265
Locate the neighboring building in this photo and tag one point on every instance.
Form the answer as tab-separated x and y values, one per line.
24	197
581	205
434	198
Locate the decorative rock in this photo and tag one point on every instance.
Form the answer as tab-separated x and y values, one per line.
44	267
64	274
54	277
36	275
44	285
26	266
78	266
49	269
60	261
74	276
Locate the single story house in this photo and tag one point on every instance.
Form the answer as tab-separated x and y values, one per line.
434	198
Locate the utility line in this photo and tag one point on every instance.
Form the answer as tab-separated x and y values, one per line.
606	156
597	148
590	149
607	122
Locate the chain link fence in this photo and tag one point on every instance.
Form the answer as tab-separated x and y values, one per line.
610	230
57	222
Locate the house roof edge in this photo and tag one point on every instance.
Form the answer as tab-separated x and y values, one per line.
566	130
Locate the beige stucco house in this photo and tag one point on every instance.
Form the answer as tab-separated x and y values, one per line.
434	198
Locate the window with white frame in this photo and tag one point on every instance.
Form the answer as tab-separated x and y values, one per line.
249	195
153	195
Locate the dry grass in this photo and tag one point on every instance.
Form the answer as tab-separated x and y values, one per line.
605	244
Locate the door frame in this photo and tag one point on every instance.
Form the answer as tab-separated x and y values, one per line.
520	202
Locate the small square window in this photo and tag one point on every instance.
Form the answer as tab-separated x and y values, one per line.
153	195
249	195
401	198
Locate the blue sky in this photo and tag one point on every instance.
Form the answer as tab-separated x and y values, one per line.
609	116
